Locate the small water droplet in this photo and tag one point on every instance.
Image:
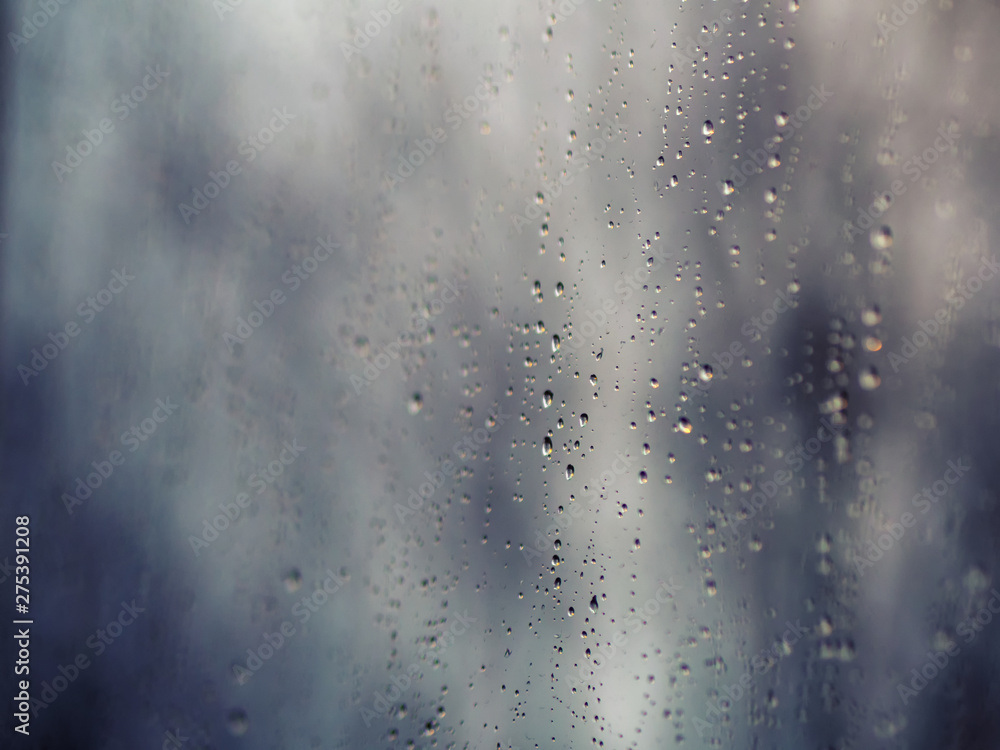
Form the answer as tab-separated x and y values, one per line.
238	722
547	447
415	404
583	419
881	238
869	379
593	604
871	316
293	580
547	399
707	128
569	471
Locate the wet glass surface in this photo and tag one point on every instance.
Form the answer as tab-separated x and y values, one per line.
511	375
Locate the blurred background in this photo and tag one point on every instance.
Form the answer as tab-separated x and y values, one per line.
512	375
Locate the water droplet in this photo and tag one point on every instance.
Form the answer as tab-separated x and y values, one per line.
547	399
559	289
643	478
871	316
593	604
707	128
684	425
728	188
583	419
238	722
869	379
771	195
705	374
547	447
415	404
781	119
555	343
569	471
293	580
881	238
